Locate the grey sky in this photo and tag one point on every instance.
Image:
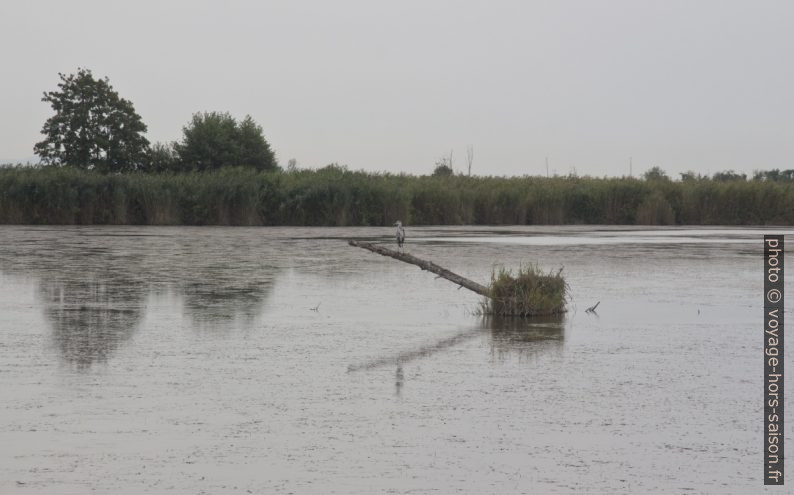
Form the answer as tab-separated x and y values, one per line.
684	84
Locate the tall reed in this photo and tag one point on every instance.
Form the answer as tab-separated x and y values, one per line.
334	196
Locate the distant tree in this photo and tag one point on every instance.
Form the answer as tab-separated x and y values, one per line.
209	141
444	166
774	175
334	168
689	176
728	175
442	170
766	174
656	173
162	157
213	140
93	127
254	149
292	165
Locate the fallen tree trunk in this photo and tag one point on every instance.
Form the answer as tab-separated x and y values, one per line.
530	292
424	265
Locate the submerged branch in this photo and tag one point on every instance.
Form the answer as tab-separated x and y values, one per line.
592	308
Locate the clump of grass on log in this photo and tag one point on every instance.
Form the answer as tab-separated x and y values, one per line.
530	292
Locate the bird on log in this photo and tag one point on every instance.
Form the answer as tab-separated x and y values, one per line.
400	234
528	293
424	265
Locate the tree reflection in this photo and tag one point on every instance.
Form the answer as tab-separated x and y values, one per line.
212	301
91	318
94	284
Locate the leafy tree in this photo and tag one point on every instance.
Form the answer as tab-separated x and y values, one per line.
213	140
162	157
656	173
444	167
93	127
729	175
253	148
442	170
774	175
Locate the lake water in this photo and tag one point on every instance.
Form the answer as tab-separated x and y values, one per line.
281	360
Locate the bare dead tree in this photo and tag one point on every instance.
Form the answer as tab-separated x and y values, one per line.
469	156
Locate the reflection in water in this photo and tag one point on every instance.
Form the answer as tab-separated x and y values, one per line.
93	283
180	402
211	301
398	380
523	336
92	314
91	318
419	352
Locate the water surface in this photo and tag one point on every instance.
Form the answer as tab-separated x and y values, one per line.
281	360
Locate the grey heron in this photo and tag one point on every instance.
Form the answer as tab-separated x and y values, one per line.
400	234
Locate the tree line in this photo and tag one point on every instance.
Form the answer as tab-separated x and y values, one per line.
93	128
100	169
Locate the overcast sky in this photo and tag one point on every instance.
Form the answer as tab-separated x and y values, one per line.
705	85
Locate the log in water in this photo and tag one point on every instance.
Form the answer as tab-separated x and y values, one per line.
424	265
528	293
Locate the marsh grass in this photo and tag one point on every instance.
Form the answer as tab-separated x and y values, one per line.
530	292
335	196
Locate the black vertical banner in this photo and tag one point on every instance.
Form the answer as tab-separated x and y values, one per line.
773	360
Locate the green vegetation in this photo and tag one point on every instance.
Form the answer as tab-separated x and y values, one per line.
93	128
334	196
444	167
214	140
443	170
529	293
99	169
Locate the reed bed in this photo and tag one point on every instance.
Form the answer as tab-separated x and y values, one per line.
334	196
